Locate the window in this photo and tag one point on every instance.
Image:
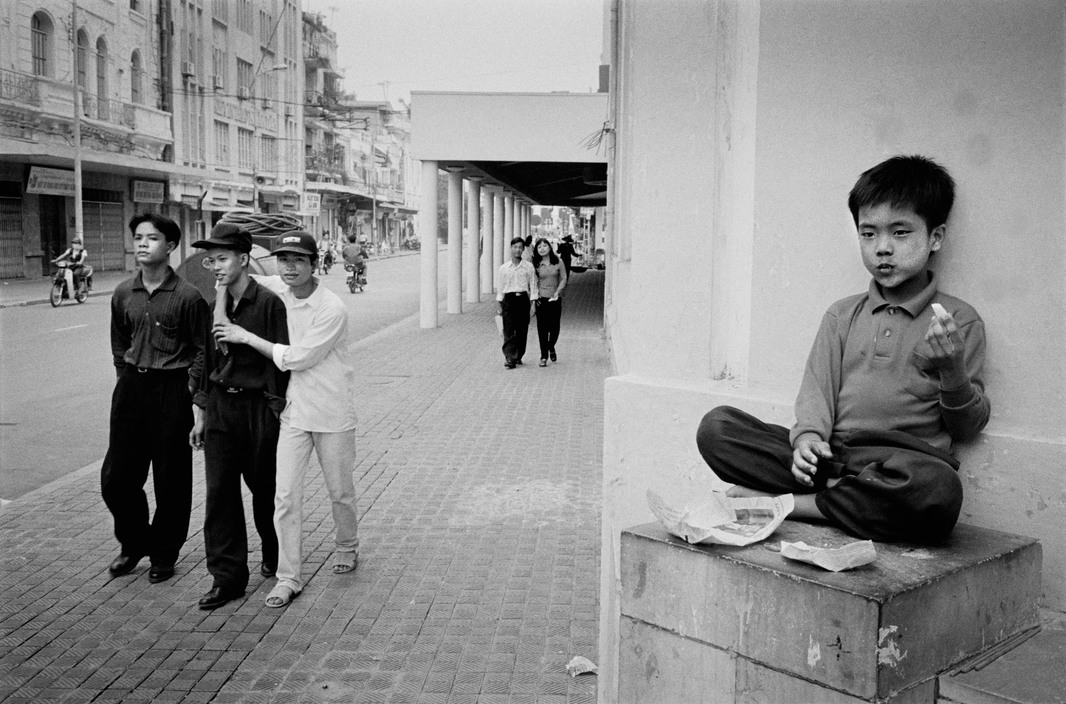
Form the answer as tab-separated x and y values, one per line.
245	153
103	111
244	74
245	16
83	49
220	10
135	78
222	145
41	33
268	148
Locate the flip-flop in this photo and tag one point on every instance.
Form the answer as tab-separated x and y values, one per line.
345	562
281	595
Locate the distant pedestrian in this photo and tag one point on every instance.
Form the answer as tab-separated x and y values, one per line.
320	410
515	302
158	321
551	280
527	251
236	409
567	251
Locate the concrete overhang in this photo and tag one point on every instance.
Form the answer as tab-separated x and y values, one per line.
548	148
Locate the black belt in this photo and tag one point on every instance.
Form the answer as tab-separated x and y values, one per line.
517	293
149	370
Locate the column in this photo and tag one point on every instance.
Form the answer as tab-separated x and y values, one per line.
427	235
473	243
500	251
455	239
488	236
508	222
517	206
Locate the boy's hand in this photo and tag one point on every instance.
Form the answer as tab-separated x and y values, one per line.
230	332
947	348
808	448
196	435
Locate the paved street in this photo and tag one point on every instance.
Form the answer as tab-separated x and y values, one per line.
478	576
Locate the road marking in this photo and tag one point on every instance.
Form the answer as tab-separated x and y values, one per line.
72	327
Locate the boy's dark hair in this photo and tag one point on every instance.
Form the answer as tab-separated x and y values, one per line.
915	180
518	240
165	225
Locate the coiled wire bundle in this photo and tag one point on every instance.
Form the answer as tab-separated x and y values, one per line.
263	224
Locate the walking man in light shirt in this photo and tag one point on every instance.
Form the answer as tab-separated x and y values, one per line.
319	413
515	302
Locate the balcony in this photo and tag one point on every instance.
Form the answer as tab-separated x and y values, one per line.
19	88
324	165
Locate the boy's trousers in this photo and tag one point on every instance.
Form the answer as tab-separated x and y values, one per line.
549	315
515	325
336	457
893	487
151	416
240	440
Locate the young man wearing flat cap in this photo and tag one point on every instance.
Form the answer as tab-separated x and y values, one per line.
236	413
320	410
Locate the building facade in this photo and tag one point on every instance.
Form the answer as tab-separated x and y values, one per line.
114	53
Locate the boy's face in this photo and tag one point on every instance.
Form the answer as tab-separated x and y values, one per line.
295	269
150	246
226	264
896	243
516	250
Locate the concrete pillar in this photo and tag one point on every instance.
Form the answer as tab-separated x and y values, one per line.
427	235
519	231
455	239
488	237
473	242
508	221
500	250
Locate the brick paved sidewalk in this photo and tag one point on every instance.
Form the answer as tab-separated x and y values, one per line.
479	570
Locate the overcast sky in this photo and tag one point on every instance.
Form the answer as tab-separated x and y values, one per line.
464	45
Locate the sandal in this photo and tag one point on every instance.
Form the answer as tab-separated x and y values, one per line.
281	595
344	562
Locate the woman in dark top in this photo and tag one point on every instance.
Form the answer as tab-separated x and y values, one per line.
551	280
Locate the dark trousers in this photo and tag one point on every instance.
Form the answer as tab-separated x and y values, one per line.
549	315
515	325
893	487
151	416
240	440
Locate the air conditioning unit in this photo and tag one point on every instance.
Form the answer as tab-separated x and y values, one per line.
217	81
188	68
244	93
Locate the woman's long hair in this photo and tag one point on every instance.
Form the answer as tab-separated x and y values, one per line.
536	252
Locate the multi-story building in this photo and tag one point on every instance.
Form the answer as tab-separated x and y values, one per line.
113	54
238	87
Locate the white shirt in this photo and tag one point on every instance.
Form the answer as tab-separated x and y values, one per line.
517	279
321	394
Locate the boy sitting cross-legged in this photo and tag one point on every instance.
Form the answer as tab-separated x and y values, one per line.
890	384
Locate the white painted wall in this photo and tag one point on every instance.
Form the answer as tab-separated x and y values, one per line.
741	127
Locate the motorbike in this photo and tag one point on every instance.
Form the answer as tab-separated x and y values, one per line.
356	279
327	263
82	284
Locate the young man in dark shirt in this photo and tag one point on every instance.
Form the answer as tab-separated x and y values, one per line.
236	407
157	337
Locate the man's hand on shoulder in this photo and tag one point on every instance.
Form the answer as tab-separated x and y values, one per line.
947	348
805	454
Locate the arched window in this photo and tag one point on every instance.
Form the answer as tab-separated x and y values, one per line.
42	33
135	78
83	68
101	79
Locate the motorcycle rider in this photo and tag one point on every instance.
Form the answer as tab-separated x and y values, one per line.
355	255
75	256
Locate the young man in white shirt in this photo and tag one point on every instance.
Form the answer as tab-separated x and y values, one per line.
515	302
320	409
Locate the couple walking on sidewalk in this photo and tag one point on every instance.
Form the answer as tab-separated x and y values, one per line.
264	384
528	289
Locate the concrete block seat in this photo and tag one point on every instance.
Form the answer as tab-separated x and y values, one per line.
744	625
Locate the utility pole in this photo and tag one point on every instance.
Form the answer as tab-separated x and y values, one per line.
79	228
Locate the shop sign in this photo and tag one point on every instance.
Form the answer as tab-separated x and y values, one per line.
53	182
311	204
147	191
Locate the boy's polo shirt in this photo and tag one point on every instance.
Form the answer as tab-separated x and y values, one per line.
869	369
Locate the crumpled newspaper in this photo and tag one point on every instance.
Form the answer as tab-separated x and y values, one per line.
725	520
845	557
580	665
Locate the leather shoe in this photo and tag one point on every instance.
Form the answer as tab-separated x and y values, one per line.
160	573
267	570
508	365
219	596
123	564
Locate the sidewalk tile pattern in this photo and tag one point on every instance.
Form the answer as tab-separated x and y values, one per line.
479	496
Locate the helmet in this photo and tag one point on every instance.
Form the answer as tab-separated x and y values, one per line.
362	239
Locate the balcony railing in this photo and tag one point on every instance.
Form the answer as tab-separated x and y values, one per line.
19	88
